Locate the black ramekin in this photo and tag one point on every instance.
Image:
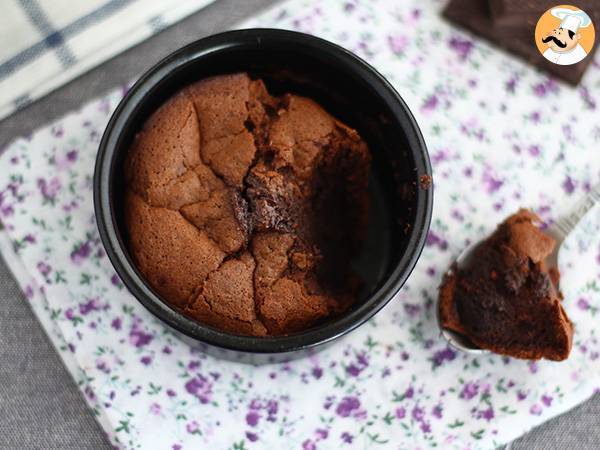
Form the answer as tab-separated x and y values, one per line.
350	89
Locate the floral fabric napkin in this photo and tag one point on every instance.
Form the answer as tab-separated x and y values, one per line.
500	136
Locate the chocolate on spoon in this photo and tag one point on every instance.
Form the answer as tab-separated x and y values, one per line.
502	294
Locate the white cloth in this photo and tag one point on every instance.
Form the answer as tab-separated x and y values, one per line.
566	58
46	43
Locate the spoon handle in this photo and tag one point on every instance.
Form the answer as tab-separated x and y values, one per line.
563	226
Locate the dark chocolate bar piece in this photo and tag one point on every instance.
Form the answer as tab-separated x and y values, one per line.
502	8
475	16
516	13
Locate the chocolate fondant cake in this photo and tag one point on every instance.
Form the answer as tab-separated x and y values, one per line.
505	299
243	210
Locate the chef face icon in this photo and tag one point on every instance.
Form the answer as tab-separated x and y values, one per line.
561	40
565	35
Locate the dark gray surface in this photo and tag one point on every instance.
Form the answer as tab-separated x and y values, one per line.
40	405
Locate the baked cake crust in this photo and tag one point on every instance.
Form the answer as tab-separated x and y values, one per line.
243	210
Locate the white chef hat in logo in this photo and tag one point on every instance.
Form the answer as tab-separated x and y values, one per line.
570	19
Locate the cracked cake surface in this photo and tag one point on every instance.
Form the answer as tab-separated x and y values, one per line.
243	210
505	299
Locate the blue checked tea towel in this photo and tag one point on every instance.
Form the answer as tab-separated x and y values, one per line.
46	43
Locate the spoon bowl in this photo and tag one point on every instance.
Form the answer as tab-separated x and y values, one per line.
558	230
454	339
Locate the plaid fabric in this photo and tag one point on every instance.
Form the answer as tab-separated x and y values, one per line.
46	43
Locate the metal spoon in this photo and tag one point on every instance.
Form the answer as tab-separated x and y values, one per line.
559	231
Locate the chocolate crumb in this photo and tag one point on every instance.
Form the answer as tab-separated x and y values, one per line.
425	181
